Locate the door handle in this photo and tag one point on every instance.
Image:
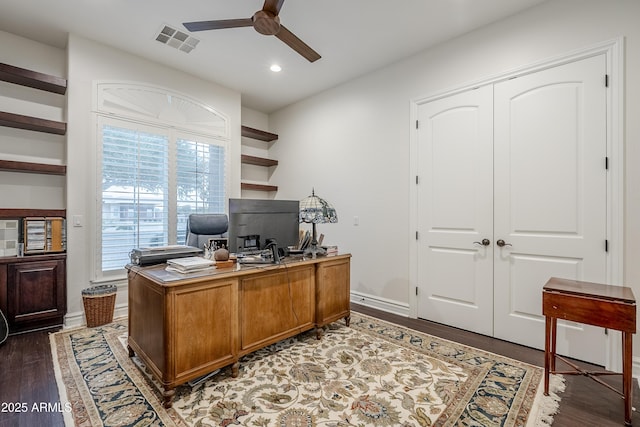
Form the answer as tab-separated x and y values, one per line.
502	243
485	242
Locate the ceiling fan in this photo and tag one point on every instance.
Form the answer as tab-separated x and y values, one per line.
265	21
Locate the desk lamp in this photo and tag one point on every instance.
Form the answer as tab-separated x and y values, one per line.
316	210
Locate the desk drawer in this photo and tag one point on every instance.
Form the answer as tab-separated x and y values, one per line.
592	311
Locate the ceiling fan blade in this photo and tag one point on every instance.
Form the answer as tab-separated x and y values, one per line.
296	44
273	6
218	25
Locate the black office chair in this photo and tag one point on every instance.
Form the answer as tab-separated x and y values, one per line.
202	227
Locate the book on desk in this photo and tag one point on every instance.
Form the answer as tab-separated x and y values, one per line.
189	264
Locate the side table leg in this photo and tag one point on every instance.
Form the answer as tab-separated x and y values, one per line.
554	333
626	375
547	353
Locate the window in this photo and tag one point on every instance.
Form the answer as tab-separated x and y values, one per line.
200	181
152	179
161	156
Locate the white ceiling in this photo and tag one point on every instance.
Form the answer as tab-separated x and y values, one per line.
352	36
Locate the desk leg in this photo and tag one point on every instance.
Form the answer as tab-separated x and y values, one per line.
626	375
167	397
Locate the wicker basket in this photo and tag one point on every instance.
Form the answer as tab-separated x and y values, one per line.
99	302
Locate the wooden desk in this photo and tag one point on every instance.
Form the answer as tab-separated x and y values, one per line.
606	306
184	326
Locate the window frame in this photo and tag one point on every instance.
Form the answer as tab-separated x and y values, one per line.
174	131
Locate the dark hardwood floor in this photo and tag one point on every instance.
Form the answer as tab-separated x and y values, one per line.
27	378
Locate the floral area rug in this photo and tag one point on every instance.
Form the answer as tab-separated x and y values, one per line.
373	373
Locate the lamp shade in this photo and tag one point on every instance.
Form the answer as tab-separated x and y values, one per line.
316	210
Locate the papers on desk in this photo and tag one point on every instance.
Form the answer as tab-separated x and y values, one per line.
189	264
304	238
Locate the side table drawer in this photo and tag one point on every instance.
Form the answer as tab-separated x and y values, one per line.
589	310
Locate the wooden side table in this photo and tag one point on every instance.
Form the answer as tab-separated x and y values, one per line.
606	306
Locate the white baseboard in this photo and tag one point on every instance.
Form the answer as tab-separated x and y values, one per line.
635	369
380	303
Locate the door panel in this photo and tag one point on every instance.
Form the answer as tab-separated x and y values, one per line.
526	273
520	161
550	197
455	210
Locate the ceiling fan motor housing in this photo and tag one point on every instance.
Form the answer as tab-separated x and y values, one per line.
266	23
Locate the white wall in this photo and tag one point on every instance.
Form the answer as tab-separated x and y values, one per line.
352	142
87	62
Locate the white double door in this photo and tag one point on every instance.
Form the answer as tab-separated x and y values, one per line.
512	192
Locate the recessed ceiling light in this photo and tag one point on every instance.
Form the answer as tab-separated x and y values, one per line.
276	68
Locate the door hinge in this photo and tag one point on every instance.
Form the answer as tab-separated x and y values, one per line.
416	179
606	163
417	124
606	245
606	80
416	290
416	235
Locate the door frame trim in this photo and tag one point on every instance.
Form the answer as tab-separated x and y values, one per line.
614	53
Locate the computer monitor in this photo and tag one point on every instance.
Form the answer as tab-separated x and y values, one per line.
253	222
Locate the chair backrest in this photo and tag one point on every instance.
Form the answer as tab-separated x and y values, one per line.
202	227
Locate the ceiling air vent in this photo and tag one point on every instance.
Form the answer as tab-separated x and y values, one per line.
178	39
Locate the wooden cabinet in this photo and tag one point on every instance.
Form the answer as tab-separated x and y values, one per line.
33	291
259	135
183	332
211	313
333	291
185	326
276	305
